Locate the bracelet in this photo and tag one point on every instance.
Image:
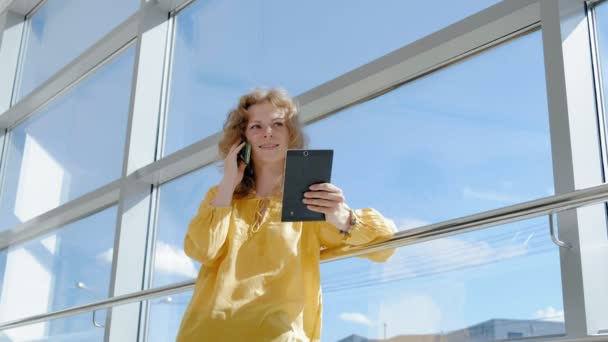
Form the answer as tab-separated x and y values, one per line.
352	221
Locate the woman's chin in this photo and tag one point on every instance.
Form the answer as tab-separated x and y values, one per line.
268	158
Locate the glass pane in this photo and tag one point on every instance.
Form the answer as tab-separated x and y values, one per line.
460	288
466	139
179	201
449	144
67	267
225	48
166	316
60	30
71	147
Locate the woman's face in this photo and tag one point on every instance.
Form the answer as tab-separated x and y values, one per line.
267	133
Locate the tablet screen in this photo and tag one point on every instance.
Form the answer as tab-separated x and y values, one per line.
304	168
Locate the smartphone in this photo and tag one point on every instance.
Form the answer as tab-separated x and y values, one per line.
245	153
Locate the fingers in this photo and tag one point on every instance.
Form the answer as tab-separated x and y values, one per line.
325	187
319	209
331	196
236	147
321	202
323	196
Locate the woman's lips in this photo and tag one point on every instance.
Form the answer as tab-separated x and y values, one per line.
269	146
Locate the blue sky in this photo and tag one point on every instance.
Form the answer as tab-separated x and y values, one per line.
469	138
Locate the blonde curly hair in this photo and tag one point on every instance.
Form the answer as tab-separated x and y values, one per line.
236	124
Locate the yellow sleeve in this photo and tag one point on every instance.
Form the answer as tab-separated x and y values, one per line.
207	231
371	227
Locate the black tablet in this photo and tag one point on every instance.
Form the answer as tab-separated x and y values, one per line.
304	168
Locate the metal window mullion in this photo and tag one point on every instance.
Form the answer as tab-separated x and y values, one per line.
156	191
132	252
577	163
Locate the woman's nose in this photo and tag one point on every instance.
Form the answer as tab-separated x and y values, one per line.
268	131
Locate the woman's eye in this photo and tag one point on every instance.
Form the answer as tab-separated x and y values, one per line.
254	126
279	124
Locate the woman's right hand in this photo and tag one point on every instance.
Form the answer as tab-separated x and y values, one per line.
234	168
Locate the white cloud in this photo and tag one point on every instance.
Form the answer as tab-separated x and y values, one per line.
550	314
469	193
172	260
168	260
106	256
356	317
410	314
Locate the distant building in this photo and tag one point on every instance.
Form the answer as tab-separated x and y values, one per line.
505	329
357	338
492	330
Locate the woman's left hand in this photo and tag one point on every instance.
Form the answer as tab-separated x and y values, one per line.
328	199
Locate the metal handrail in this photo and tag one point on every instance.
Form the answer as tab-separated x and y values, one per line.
544	206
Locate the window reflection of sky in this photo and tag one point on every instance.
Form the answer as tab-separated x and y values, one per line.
70	147
61	269
277	43
53	40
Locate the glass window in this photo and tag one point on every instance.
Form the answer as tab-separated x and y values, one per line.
441	147
225	48
70	147
179	202
166	315
68	267
476	286
469	138
60	30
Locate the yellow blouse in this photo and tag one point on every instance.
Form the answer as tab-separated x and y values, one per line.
263	285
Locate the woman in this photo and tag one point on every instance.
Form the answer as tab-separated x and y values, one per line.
260	276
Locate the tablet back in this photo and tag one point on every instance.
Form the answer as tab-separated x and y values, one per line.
304	168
